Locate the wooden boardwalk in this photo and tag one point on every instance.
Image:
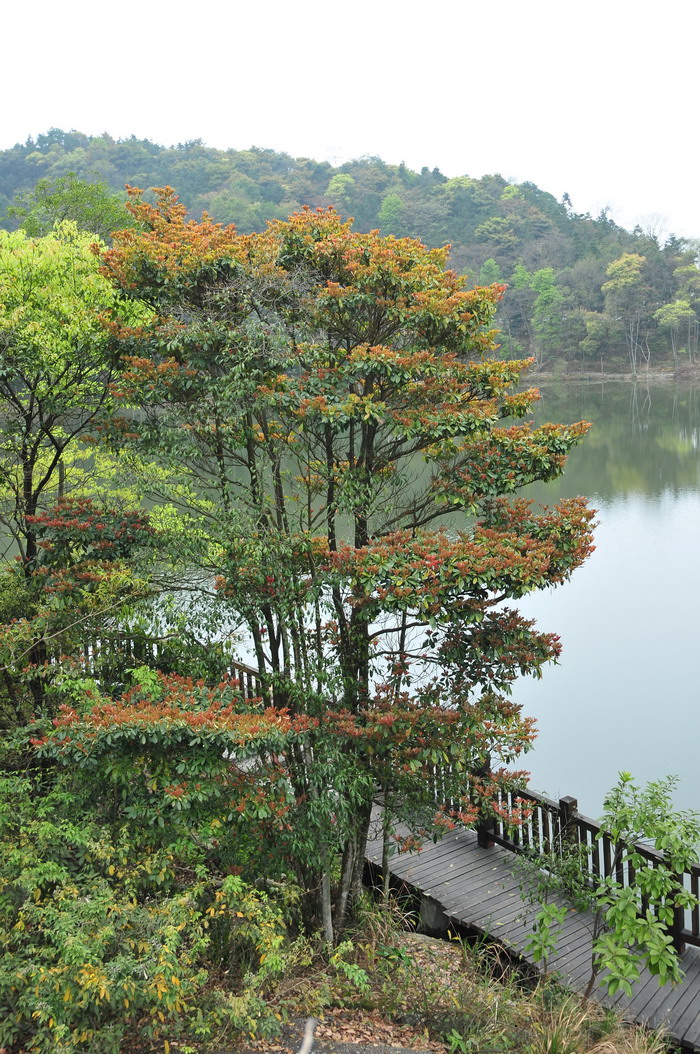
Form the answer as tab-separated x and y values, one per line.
481	889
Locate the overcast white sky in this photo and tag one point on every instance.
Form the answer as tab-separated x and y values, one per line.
598	98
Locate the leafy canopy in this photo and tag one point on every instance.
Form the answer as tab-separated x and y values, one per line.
336	404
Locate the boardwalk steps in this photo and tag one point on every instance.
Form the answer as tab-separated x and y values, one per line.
480	888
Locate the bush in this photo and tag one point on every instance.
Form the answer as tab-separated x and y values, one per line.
104	935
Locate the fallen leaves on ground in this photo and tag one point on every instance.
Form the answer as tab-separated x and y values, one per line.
365	1027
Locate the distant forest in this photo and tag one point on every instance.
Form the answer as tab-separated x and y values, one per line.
583	293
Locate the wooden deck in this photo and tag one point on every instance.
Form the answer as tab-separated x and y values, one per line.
481	889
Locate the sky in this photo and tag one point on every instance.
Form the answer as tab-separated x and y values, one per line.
595	99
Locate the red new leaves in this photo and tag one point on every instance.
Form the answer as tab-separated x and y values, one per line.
506	459
429	571
187	713
92	560
76	529
171	249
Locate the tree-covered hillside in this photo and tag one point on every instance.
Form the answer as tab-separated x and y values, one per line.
581	290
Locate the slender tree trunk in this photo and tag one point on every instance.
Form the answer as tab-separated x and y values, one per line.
345	883
326	909
386	827
37	652
12	696
360	843
595	966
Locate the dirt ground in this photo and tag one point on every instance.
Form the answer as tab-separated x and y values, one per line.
354	1035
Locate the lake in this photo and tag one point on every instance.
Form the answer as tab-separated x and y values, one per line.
626	692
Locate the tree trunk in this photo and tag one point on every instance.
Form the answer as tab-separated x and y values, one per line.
326	912
352	869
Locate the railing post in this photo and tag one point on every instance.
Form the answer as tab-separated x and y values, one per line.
484	833
486	824
678	925
568	807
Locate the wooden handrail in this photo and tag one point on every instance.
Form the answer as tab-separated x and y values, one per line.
553	825
142	647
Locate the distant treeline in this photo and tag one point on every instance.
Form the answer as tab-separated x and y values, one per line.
581	290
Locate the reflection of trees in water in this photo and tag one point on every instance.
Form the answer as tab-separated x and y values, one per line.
687	414
645	438
640	408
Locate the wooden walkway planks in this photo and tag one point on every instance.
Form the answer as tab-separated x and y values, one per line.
481	889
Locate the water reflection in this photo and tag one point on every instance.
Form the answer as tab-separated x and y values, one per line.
644	438
625	695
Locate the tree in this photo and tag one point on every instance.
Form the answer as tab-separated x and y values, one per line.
549	317
671	317
499	234
332	398
688	290
92	567
391	214
90	204
339	190
56	366
625	300
597	327
490	272
540	304
518	308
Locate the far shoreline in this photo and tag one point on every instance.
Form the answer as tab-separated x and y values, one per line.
683	375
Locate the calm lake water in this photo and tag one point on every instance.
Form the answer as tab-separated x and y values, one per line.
626	692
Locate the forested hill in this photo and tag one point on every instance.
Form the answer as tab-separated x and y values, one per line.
581	289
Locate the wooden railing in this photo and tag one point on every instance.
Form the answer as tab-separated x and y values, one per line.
249	679
549	827
123	649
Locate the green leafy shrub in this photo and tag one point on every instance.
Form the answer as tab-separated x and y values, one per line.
106	933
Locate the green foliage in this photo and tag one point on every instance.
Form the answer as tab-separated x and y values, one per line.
488	222
390	215
355	974
91	567
56	366
57	363
148	681
652	844
90	204
543	941
633	815
106	933
162	756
